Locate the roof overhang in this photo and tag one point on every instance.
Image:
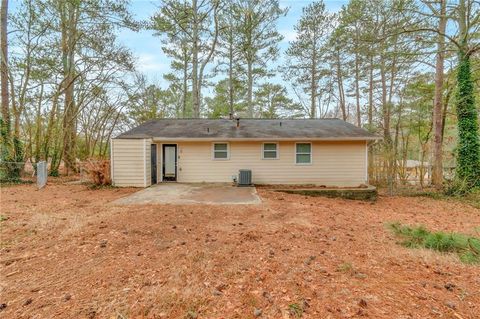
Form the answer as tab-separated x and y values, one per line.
261	139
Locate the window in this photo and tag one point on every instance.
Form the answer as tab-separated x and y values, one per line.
270	151
303	153
220	151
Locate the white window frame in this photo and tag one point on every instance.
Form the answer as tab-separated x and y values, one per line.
213	151
311	153
277	150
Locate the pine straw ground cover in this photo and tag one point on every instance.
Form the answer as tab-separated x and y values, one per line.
67	252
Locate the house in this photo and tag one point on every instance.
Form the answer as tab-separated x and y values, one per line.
328	152
413	171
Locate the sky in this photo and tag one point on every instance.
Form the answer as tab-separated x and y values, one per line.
147	50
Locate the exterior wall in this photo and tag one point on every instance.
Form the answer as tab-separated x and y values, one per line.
333	163
130	161
148	172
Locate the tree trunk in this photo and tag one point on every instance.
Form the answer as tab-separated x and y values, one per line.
357	88
250	56
371	163
396	137
250	88
313	85
195	84
437	172
230	73
370	97
444	111
207	59
468	163
387	138
39	126
185	82
385	105
4	68
69	25
341	92
357	77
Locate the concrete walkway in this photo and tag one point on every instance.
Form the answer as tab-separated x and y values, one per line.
181	194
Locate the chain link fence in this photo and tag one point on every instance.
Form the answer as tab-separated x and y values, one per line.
23	173
96	172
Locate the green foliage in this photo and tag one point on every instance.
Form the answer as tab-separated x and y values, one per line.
191	314
189	33
218	105
458	187
305	53
466	247
258	40
152	102
415	114
468	158
452	191
272	102
11	155
257	32
345	267
54	172
296	310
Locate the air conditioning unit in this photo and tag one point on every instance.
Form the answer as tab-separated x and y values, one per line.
244	177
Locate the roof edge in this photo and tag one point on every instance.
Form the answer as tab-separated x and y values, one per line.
258	139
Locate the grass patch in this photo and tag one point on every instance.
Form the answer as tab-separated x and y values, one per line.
345	267
295	310
466	247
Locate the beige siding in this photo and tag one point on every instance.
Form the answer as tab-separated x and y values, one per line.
131	162
148	172
333	164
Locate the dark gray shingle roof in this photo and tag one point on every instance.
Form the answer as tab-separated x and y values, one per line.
224	129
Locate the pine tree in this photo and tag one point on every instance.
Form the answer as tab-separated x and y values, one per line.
305	52
258	39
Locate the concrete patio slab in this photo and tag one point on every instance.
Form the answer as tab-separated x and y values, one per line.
181	194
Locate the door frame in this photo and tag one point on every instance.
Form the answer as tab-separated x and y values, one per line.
153	164
163	161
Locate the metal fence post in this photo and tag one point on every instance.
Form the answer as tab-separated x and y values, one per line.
41	174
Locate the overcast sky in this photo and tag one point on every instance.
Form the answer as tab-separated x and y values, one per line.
147	48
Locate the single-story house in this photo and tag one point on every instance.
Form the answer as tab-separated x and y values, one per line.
328	152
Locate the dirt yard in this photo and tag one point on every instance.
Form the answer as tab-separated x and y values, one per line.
67	252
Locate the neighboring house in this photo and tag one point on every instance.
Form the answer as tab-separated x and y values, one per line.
413	171
328	152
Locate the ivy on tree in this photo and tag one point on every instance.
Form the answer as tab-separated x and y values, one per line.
468	166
